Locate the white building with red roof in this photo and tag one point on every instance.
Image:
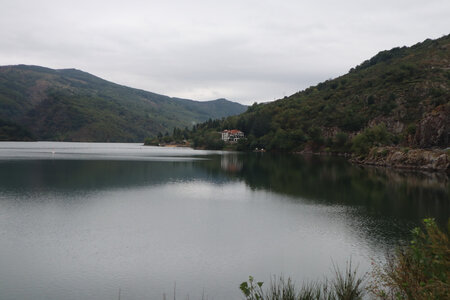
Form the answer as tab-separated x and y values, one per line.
232	135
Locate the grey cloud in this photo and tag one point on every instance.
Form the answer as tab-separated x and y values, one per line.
242	50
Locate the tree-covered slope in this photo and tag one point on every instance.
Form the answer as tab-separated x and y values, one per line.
72	105
400	96
10	131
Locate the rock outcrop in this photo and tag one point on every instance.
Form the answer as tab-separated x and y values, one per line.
406	158
433	129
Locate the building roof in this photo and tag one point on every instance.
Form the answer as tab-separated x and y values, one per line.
232	131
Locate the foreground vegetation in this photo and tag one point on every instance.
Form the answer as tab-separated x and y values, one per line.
420	270
345	285
398	97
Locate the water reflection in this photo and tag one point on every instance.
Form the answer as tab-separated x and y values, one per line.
90	175
70	228
380	192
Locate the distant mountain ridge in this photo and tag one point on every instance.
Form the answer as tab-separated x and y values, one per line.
72	105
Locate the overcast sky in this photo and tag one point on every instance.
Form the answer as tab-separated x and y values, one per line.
242	50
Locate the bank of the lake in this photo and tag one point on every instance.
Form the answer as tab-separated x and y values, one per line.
398	157
407	158
388	156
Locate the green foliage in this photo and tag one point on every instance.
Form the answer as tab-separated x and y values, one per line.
209	139
151	142
345	285
361	144
351	121
178	137
341	139
340	142
383	56
252	290
371	137
420	270
411	129
10	131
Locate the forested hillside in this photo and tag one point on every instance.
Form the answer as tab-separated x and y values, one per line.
71	105
398	97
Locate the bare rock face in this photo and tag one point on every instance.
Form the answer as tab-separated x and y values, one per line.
434	129
330	132
392	124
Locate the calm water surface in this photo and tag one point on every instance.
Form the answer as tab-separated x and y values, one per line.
81	220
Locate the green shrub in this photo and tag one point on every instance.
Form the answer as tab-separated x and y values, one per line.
419	271
151	142
370	137
405	149
340	142
411	129
345	285
361	144
384	152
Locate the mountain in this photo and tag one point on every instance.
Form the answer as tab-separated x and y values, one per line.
72	105
398	97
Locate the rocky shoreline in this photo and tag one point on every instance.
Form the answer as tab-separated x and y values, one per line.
406	158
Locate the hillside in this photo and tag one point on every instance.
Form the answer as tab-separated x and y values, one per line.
398	97
71	105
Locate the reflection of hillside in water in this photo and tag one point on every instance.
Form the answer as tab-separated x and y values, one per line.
381	192
377	204
78	176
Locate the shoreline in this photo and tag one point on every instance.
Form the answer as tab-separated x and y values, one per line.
406	158
434	160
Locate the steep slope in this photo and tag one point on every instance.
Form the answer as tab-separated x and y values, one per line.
71	105
398	97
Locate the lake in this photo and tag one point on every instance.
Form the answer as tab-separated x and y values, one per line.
85	220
